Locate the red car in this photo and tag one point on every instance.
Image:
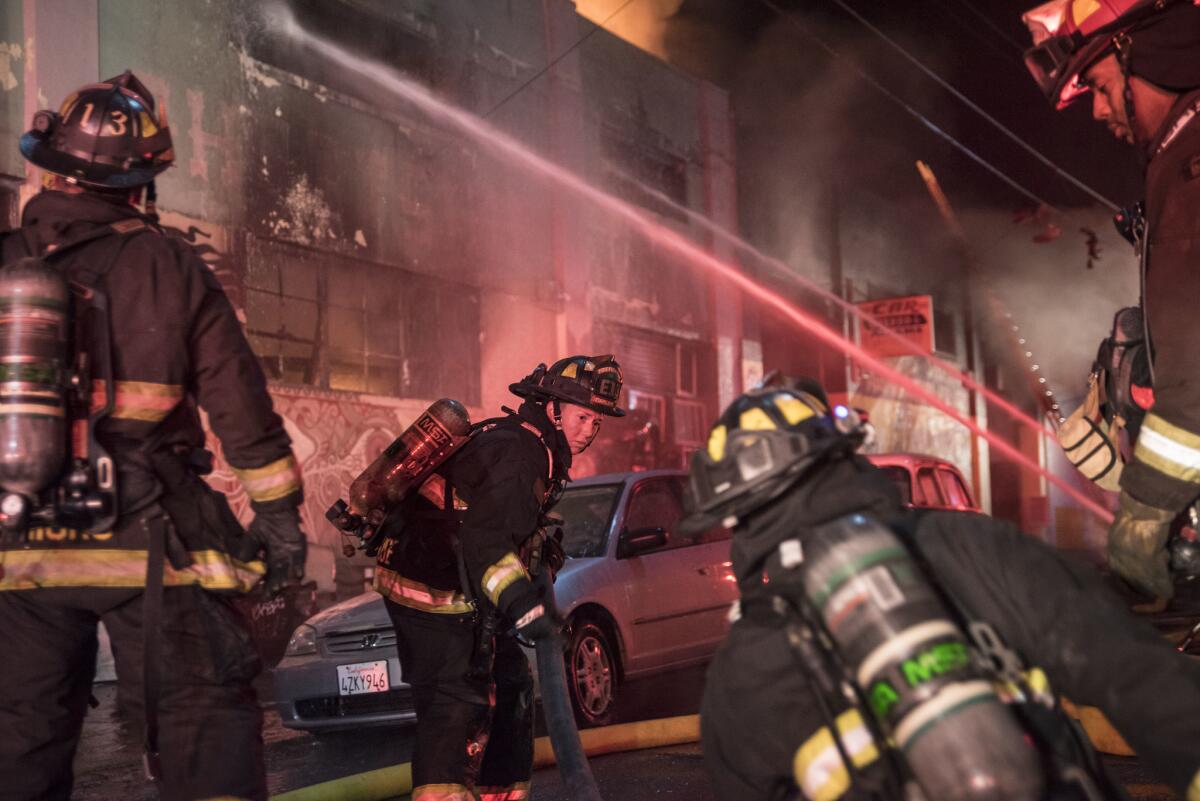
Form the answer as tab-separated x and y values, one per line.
926	482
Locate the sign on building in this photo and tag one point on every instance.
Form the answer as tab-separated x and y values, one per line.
909	317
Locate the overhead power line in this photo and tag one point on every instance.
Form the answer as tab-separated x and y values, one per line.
1003	49
1020	48
552	63
1028	148
932	126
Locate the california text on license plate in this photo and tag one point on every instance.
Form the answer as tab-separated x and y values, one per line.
363	677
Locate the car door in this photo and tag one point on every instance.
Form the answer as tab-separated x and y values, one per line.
676	593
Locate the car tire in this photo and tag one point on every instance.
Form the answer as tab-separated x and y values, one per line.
592	669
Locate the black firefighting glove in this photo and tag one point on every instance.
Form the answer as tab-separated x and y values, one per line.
553	555
538	622
1137	546
278	536
534	614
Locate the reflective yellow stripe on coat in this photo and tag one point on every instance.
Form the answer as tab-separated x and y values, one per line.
30	569
415	595
147	401
500	576
442	792
1169	449
515	792
276	480
818	767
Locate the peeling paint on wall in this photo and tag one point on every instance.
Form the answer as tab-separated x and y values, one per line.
613	301
255	75
305	216
512	63
201	140
9	52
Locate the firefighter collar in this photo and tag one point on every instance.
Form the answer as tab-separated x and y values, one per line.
1181	122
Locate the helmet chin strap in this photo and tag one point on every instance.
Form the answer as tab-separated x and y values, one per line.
1124	46
556	414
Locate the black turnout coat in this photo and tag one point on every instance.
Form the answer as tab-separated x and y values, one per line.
758	708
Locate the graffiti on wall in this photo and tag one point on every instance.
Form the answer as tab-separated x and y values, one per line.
334	436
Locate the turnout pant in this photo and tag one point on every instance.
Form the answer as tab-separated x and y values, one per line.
474	737
210	724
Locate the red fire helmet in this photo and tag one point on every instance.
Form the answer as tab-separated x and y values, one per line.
1071	35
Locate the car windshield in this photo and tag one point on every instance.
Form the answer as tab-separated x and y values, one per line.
586	514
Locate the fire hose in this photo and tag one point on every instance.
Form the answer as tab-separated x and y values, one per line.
556	706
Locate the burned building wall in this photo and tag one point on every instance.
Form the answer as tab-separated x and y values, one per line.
381	259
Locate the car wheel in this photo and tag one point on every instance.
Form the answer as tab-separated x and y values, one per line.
591	663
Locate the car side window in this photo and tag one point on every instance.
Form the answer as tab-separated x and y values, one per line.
899	476
956	493
927	487
658	503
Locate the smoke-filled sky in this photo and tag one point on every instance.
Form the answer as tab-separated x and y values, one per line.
975	45
805	120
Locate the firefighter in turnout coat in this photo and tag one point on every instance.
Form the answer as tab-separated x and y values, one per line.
856	613
1140	59
159	577
453	572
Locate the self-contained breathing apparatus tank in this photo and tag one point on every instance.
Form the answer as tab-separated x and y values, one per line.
403	467
913	664
866	620
52	471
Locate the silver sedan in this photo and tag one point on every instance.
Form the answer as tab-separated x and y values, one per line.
639	597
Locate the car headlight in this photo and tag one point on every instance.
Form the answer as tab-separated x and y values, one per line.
303	641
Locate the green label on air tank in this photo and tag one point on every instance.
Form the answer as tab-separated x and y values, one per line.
928	664
29	372
938	660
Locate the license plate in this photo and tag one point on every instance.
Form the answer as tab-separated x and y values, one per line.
363	677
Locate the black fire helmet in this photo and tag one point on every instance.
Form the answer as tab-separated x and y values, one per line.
591	381
106	135
763	443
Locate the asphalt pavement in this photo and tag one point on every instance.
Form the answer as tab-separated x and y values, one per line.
108	766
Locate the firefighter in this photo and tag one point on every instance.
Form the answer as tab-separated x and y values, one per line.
1141	61
160	579
781	470
455	575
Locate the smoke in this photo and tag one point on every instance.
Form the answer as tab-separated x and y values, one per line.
1061	307
664	236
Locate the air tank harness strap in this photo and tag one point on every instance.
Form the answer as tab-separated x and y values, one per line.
486	616
132	225
816	654
154	526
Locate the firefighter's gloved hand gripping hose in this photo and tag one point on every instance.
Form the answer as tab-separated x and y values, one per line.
556	705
